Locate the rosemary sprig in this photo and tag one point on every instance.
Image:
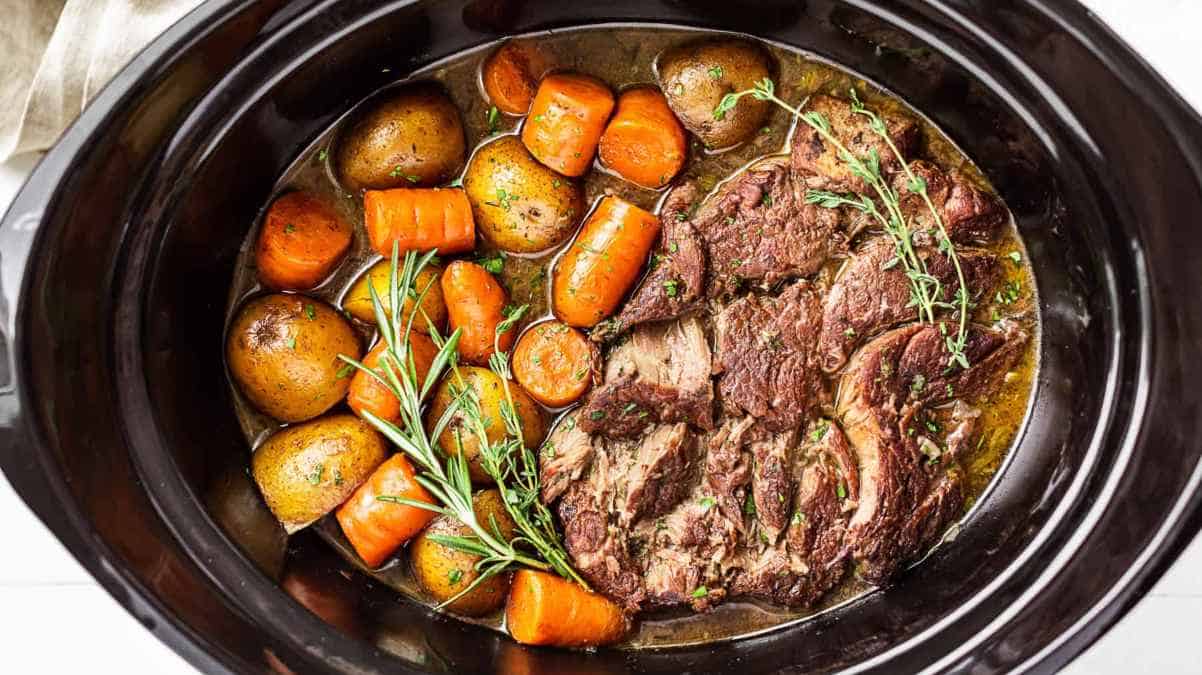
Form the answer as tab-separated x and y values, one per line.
444	476
510	463
925	290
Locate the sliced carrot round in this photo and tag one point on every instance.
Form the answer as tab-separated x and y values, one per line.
554	362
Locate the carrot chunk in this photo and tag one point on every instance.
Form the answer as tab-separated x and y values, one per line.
598	269
475	303
544	609
301	242
644	143
554	363
510	75
366	393
566	120
377	527
419	219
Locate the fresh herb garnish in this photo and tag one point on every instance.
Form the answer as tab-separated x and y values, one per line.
700	592
672	287
494	119
716	72
493	263
311	312
507	460
315	477
455	576
926	289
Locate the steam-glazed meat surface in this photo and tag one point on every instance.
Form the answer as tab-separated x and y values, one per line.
758	229
969	214
775	491
907	491
872	293
766	355
661	373
816	160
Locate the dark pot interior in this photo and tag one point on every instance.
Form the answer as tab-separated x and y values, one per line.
117	260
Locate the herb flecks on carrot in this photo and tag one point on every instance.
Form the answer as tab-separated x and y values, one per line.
644	143
476	305
368	393
603	262
566	119
301	242
376	520
419	219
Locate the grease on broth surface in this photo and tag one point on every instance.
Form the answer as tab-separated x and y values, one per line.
625	56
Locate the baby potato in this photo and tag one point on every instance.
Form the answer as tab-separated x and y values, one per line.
491	392
443	571
282	350
518	204
696	75
306	470
358	304
410	137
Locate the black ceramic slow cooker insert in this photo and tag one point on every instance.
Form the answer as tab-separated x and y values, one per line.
116	260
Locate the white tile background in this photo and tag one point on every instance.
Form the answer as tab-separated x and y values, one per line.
47	601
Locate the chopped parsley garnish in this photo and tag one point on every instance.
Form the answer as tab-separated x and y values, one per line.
315	477
706	502
494	119
596	415
292	343
919	383
1015	256
716	72
820	430
700	592
629	408
749	505
289	228
321	156
671	287
840	490
454	576
311	312
493	263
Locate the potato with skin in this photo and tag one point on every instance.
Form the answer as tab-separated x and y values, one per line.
518	204
358	303
306	470
491	392
443	571
282	351
696	75
409	137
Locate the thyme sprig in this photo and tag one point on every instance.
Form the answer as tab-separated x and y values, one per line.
926	291
446	476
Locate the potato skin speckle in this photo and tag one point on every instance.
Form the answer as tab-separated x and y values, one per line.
306	470
282	351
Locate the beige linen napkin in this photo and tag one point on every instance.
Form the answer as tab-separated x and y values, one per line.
55	55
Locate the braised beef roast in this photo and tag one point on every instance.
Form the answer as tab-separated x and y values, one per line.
713	461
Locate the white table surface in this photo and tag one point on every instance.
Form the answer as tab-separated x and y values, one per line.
55	619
